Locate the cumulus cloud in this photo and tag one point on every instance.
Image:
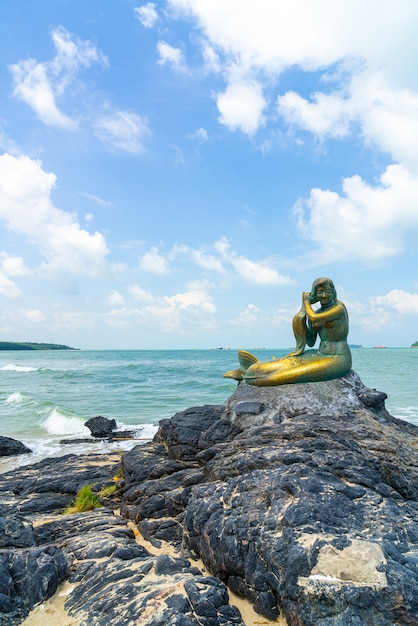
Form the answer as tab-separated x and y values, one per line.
254	272
140	295
369	82
153	262
26	208
169	55
367	222
40	85
147	14
8	287
122	130
115	298
191	299
184	311
11	266
401	301
33	315
386	118
325	114
201	258
241	106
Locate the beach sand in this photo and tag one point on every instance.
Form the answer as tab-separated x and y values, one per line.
52	611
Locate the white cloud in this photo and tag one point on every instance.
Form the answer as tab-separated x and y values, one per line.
366	222
123	130
254	272
13	265
369	81
241	106
34	315
26	208
153	262
191	299
147	14
387	118
40	84
96	200
140	295
184	312
211	59
327	114
201	258
401	301
201	134
171	56
249	318
8	288
115	298
178	154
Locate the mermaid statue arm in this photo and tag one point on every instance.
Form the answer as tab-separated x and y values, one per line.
333	312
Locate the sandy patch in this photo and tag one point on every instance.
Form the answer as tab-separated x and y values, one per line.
52	612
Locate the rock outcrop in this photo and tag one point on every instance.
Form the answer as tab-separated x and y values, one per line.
110	577
302	499
12	447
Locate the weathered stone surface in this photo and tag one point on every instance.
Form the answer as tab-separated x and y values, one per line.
309	506
114	579
26	578
12	447
16	532
51	484
193	430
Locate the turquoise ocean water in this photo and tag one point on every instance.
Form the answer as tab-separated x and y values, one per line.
46	396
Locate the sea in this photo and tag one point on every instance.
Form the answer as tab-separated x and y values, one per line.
47	396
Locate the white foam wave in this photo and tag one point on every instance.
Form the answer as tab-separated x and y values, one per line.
144	431
59	424
16	397
11	367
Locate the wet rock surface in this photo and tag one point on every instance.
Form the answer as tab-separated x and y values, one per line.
302	499
12	447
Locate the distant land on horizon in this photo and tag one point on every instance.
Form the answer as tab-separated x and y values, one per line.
27	345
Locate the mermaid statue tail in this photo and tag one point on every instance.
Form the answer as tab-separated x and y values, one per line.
246	359
310	366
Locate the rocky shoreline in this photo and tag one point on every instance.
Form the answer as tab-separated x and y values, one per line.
303	499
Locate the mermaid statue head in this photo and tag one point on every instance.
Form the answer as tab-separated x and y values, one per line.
322	282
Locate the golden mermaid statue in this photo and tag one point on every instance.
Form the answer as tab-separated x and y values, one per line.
331	360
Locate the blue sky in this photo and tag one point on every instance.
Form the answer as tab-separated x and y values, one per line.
174	174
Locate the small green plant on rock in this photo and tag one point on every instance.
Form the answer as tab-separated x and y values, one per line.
85	500
107	491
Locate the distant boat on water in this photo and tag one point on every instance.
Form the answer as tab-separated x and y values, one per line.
382	346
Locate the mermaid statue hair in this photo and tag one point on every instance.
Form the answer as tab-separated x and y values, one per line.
304	334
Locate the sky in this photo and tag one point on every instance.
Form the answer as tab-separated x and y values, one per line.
174	174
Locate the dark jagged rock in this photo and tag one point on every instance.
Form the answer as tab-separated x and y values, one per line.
26	578
12	447
116	579
100	427
16	532
308	506
51	484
